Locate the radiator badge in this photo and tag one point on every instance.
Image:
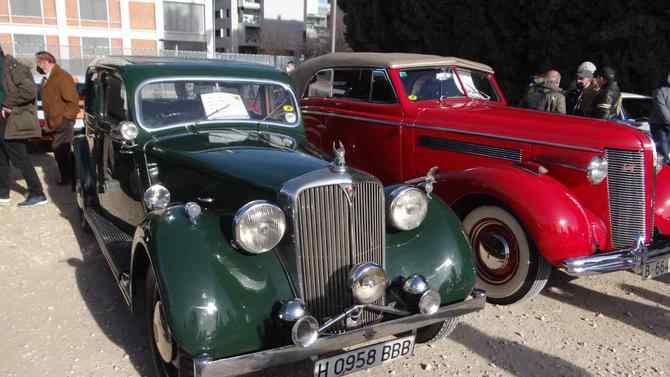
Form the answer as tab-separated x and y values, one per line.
628	168
339	164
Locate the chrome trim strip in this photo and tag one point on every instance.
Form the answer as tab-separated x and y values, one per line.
454	130
470	148
257	361
144	83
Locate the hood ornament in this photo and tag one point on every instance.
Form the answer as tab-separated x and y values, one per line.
339	164
427	182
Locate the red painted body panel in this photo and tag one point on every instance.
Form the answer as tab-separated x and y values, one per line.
490	149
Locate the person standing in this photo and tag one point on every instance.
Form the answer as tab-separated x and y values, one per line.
60	102
580	98
545	94
18	124
659	120
608	100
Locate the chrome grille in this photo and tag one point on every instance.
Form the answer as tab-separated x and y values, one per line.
334	234
626	188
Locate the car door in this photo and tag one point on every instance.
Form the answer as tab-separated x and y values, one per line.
117	162
367	117
314	107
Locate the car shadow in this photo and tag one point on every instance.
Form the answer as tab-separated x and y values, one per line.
95	282
662	299
647	318
513	357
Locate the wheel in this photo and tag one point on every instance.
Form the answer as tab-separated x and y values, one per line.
161	345
437	332
508	265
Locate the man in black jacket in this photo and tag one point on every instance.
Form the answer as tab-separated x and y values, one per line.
18	124
608	99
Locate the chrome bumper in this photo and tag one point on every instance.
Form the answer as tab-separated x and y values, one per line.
620	260
258	361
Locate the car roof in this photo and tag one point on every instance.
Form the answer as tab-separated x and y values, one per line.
136	69
306	70
626	95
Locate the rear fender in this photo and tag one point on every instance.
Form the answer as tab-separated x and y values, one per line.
85	168
219	301
438	250
557	223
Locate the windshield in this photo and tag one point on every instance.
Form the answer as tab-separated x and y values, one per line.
444	83
167	103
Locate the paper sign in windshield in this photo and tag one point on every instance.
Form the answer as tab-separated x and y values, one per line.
221	106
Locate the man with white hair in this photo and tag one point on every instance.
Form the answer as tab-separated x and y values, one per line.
546	95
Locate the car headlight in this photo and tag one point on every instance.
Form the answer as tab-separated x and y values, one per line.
597	170
259	226
658	160
156	197
407	207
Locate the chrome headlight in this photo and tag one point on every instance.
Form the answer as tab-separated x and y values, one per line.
597	170
259	226
407	207
658	160
156	197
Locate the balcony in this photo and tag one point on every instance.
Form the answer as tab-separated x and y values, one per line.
251	4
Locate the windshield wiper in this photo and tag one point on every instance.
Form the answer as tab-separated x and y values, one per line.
192	127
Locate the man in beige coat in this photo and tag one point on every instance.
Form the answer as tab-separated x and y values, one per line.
60	102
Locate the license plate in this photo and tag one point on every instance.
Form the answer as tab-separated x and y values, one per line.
364	358
656	268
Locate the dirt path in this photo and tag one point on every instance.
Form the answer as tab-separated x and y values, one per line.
61	314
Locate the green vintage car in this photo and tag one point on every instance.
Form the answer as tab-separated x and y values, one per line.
240	250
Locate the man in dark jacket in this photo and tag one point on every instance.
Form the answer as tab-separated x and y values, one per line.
18	123
608	100
60	101
659	120
583	91
546	94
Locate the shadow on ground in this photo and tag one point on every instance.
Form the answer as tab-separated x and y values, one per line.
94	279
647	318
515	358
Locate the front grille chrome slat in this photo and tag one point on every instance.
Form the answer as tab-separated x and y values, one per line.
335	231
626	190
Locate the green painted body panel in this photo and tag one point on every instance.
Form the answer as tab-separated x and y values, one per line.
219	300
438	250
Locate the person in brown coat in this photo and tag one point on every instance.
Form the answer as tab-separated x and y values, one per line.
18	124
60	102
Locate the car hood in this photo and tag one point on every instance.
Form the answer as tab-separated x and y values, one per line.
535	127
240	164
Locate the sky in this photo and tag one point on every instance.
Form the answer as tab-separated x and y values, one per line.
288	9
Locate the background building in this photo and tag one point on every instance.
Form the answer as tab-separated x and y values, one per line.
238	25
73	29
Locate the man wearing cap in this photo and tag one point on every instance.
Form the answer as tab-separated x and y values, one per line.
582	93
608	99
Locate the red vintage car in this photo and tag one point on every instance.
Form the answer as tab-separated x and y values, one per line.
534	190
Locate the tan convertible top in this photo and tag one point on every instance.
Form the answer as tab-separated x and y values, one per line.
305	71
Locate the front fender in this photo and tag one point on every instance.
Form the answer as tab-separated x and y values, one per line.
438	250
555	220
662	201
219	301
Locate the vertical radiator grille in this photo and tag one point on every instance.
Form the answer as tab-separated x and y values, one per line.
333	235
626	188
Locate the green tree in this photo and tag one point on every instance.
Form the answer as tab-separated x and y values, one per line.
522	37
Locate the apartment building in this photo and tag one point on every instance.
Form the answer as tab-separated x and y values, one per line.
73	29
317	13
237	25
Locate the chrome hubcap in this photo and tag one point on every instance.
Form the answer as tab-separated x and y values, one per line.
494	252
162	337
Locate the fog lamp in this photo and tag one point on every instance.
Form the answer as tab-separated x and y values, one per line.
292	310
305	331
368	282
415	284
430	301
193	211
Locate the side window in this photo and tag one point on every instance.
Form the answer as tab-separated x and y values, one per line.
116	107
320	84
93	95
382	91
352	83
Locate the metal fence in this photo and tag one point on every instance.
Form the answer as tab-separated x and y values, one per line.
75	59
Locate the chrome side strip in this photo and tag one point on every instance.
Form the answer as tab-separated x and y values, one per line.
454	130
470	148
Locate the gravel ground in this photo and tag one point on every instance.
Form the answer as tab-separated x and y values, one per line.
62	315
